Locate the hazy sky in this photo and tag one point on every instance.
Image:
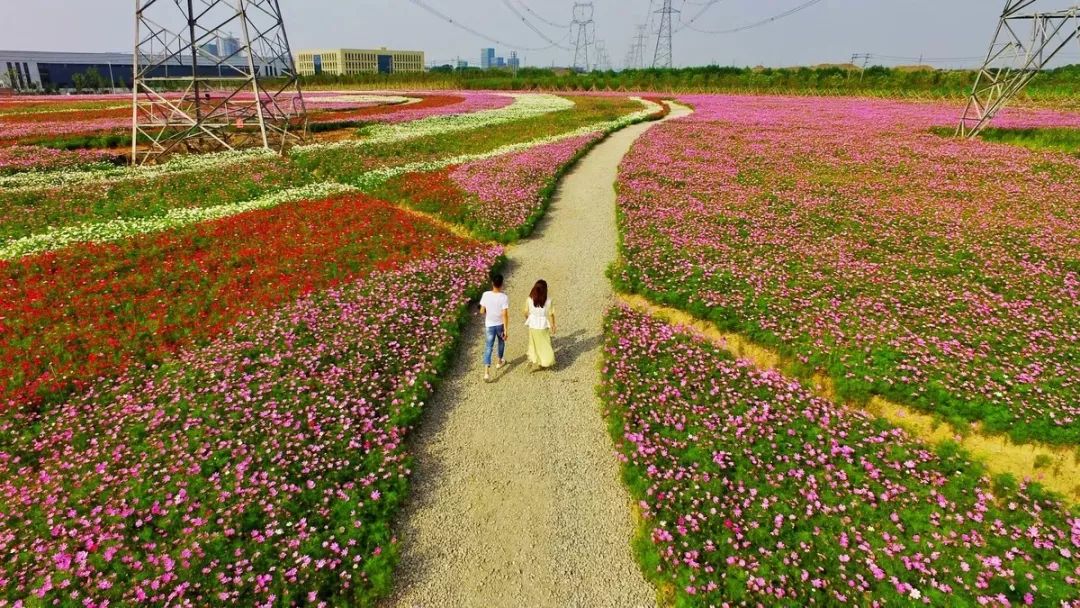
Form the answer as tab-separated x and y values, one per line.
827	32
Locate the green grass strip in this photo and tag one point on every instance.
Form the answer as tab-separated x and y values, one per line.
115	230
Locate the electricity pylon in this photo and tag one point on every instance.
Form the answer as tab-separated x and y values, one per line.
865	58
603	60
663	57
238	91
583	31
1025	42
636	59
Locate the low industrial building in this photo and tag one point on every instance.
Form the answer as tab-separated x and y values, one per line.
44	70
350	62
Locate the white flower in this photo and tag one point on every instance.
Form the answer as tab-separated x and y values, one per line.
374	178
178	164
114	230
524	106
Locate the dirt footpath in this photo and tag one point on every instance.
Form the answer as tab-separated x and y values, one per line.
517	496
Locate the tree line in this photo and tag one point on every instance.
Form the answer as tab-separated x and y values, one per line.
841	80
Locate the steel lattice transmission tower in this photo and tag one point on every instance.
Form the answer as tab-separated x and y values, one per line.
236	91
1025	42
583	31
603	60
636	58
663	58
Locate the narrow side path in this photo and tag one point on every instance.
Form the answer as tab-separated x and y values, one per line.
517	495
1055	467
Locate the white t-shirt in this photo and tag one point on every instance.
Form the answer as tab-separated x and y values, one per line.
494	304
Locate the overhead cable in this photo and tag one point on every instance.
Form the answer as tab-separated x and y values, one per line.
756	24
434	11
705	6
532	27
926	59
540	18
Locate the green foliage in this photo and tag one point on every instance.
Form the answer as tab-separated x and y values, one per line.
90	79
349	164
668	426
140	198
1059	84
848	382
1054	139
391	191
85	142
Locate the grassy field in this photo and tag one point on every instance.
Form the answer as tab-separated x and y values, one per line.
1060	87
1059	140
1052	139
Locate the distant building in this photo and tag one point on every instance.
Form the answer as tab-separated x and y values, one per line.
24	70
487	58
228	45
462	64
514	62
500	62
348	62
211	48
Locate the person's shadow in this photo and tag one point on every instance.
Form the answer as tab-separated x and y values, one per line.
512	365
568	348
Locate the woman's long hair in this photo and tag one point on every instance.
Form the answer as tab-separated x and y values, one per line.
539	293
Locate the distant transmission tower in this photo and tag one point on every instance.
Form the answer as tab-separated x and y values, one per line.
237	91
663	58
865	58
1025	43
582	30
637	50
603	60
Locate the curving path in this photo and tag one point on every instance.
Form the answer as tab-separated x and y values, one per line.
517	497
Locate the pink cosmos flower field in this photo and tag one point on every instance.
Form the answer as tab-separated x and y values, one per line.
509	190
501	197
260	470
14	159
754	492
938	272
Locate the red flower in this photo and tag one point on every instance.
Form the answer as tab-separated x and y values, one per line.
89	311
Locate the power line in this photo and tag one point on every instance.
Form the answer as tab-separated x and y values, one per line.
560	26
705	6
923	59
532	27
650	16
434	11
742	28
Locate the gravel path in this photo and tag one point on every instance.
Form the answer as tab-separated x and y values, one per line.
517	497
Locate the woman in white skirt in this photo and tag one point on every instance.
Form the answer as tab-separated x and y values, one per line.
541	324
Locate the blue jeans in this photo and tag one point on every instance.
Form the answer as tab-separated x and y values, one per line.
493	334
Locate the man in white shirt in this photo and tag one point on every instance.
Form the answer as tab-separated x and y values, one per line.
495	306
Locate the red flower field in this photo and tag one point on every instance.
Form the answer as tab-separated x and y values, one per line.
70	316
